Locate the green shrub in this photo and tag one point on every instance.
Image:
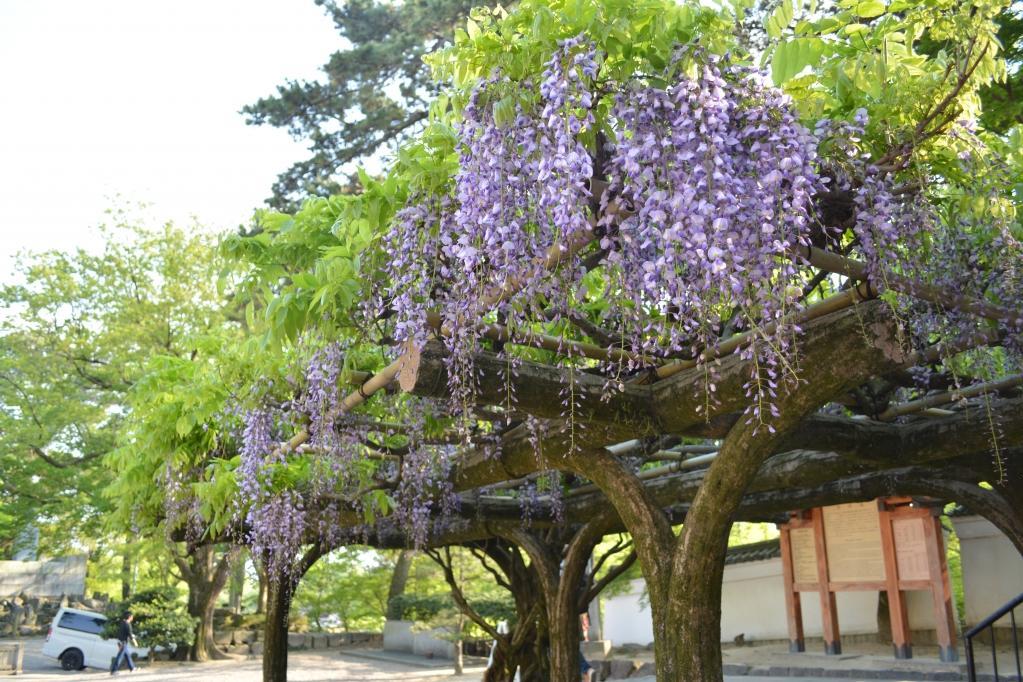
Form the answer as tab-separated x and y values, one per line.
160	619
439	610
418	607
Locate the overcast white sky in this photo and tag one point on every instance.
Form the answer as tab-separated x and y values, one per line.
139	99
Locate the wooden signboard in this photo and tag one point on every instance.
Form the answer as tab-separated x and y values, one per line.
804	556
852	535
910	548
892	544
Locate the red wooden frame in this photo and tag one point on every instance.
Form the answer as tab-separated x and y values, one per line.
890	509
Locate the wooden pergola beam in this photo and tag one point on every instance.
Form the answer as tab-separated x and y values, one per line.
679	404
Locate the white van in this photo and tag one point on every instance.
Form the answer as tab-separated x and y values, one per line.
74	640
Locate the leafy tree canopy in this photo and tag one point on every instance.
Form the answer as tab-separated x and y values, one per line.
76	331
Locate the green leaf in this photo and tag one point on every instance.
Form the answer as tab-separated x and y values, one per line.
780	19
504	112
793	56
184	425
869	9
853	29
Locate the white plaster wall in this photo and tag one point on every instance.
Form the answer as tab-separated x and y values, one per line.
752	603
857	613
399	635
920	609
625	620
992	568
50	578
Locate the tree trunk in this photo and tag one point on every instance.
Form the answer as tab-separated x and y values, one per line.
459	656
399	578
126	572
515	651
206	577
275	629
279	592
203	646
564	645
261	596
237	585
564	587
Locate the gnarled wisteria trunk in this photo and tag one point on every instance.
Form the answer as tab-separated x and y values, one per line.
561	565
522	652
684	573
561	605
279	593
275	629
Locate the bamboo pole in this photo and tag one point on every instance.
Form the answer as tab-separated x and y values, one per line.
846	299
841	265
556	344
946	397
656	472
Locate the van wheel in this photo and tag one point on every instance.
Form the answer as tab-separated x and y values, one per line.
72	659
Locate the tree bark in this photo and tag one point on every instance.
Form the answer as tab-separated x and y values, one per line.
517	650
261	596
567	589
126	572
399	578
563	652
206	576
237	585
280	591
275	629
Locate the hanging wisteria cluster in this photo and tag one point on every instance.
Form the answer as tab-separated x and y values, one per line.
898	230
719	175
714	192
280	519
275	520
522	189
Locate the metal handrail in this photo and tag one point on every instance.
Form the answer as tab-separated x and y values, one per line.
988	624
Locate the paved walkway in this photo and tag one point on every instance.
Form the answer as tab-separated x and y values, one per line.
859	660
761	664
304	666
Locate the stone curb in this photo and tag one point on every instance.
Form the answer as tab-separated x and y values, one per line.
859	673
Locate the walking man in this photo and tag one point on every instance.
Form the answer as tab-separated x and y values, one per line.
125	637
